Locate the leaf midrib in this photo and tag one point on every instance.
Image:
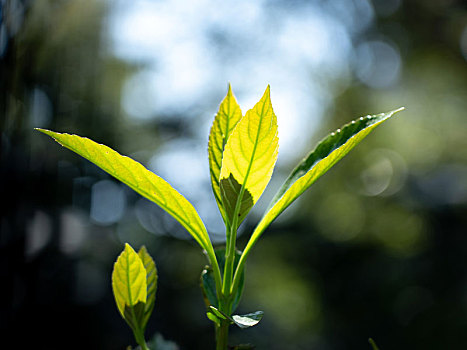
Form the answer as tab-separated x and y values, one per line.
247	174
128	279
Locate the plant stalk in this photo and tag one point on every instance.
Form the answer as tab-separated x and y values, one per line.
139	337
222	335
229	259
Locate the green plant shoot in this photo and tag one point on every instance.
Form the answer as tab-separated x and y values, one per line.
134	284
242	153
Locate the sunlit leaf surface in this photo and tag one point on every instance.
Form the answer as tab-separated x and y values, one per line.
151	282
226	119
249	158
140	179
328	152
129	280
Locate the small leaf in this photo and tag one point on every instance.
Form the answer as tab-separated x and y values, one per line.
373	344
242	321
143	181
328	152
208	287
248	320
219	314
226	119
151	282
248	160
231	194
213	318
129	283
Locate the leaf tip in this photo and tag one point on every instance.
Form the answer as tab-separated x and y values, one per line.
44	131
128	248
266	98
400	109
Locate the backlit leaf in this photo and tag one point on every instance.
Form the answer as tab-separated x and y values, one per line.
151	283
248	160
143	181
129	281
328	152
226	119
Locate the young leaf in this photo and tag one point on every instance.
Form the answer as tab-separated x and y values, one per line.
219	314
248	320
248	160
129	282
328	152
213	318
226	119
151	283
242	321
143	181
208	287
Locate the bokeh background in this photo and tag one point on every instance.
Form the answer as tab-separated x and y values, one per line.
377	248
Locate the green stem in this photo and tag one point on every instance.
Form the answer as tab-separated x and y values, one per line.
229	259
140	340
222	335
231	240
238	272
137	331
216	270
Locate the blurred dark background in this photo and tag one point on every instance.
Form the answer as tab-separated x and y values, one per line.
377	248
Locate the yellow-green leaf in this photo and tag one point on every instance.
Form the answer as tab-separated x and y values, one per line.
129	280
151	282
328	152
226	119
143	181
248	160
